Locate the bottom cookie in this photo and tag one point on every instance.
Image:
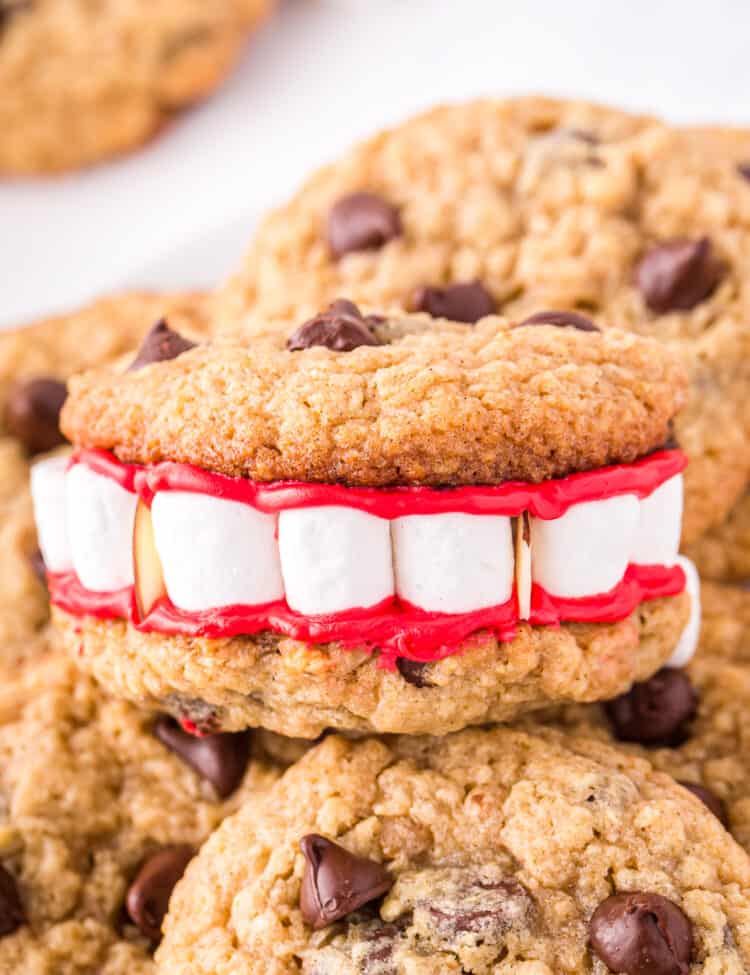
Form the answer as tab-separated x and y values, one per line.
102	806
485	852
299	689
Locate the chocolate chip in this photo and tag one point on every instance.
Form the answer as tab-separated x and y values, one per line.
148	896
458	302
678	274
9	8
642	934
36	562
485	909
12	914
32	413
563	319
413	672
341	327
656	711
337	882
220	758
709	799
160	344
744	170
361	222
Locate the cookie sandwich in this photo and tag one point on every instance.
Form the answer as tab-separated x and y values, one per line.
394	525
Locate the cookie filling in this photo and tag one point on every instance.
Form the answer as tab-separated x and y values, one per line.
409	571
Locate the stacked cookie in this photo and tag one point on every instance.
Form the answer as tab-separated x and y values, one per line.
425	489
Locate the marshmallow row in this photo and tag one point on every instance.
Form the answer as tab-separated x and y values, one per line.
215	552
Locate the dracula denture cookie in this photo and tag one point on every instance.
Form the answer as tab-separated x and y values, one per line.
396	525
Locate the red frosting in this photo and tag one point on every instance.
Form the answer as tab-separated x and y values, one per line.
393	627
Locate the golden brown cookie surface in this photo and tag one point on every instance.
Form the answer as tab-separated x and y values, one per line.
80	84
496	850
447	405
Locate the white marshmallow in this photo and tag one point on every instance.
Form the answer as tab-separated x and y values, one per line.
48	495
587	550
215	552
523	569
334	558
453	563
100	527
688	642
657	538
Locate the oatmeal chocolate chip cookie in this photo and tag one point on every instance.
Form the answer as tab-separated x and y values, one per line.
377	528
80	84
534	205
101	807
487	851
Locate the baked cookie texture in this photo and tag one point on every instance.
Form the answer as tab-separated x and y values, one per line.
711	750
443	406
300	689
81	84
724	552
548	204
499	845
87	795
88	337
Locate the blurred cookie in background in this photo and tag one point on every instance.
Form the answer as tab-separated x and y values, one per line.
82	82
724	552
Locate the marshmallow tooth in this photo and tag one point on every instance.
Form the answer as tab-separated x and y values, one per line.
334	559
149	577
587	550
657	537
687	644
523	566
100	526
215	552
48	496
453	563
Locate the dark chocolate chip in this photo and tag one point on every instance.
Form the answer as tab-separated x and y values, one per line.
656	711
337	882
12	914
563	319
341	327
32	413
709	799
413	672
744	170
148	896
160	344
679	274
36	561
361	222
458	302
220	758
642	934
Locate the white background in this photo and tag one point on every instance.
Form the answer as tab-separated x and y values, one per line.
321	74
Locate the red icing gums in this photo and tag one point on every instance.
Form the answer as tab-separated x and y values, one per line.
394	628
550	499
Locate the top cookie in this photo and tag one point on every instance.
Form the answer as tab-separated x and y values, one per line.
82	82
444	405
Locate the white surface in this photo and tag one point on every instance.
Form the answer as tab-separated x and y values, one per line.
657	538
688	642
587	550
100	517
453	563
48	494
215	552
322	74
334	558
